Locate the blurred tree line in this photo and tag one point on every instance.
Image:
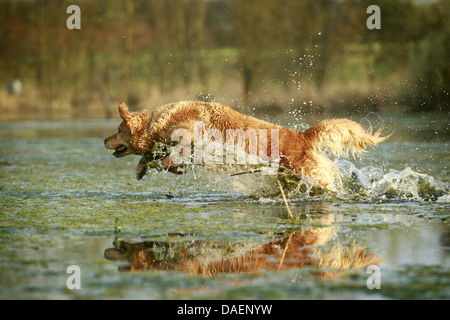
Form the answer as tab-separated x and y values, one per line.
255	52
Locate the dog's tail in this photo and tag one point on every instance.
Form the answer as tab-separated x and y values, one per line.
342	136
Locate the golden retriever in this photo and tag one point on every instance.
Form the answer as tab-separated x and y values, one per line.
301	152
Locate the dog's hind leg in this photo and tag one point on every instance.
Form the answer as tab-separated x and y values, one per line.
320	168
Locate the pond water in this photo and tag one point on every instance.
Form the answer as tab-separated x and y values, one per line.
208	235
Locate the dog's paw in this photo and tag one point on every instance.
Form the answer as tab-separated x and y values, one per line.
141	169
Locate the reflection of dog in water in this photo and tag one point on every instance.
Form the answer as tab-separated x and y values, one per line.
300	248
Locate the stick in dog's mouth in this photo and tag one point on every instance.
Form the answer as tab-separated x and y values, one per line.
119	151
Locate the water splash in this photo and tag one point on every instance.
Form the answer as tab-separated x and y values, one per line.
375	183
369	183
362	184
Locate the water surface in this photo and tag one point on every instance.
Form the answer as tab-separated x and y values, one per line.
64	199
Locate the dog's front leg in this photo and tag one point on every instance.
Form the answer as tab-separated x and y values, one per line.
142	167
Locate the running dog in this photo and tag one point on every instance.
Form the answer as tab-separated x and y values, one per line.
301	152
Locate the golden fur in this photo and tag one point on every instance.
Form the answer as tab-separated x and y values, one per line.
301	152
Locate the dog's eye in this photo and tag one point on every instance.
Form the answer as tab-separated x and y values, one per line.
118	130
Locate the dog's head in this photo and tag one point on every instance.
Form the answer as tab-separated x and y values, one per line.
131	133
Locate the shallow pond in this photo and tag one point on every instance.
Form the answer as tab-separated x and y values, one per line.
208	235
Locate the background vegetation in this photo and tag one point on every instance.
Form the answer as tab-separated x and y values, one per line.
264	54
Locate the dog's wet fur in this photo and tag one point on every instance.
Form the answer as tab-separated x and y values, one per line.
301	152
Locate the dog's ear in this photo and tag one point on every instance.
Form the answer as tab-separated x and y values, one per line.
134	120
124	113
